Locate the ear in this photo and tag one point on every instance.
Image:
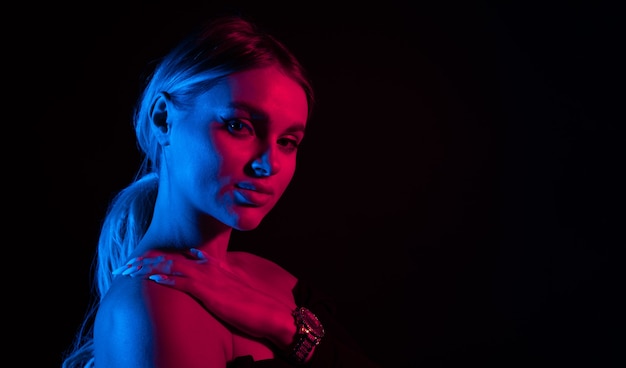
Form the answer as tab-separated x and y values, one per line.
159	123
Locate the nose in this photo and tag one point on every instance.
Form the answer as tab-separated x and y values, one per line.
265	164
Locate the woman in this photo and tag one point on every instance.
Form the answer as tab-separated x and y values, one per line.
219	123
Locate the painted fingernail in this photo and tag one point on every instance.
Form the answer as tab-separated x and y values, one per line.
119	270
131	269
161	279
198	253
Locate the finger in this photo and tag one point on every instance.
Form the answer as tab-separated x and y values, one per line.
132	262
145	261
127	269
137	261
162	279
164	266
200	255
120	270
146	266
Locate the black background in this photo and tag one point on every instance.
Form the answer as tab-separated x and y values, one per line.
458	191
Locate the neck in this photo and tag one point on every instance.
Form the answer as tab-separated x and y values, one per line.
211	236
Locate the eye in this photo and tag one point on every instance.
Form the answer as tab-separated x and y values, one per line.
239	128
289	144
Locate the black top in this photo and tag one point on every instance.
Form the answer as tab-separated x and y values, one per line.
337	349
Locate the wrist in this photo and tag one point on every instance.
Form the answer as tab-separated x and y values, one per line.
309	333
283	329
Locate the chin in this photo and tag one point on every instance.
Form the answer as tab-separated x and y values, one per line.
247	225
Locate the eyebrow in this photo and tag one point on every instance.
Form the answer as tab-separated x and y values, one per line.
259	115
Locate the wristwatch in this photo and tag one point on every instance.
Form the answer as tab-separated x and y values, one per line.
309	333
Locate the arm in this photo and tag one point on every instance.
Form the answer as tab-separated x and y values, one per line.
337	349
255	312
257	308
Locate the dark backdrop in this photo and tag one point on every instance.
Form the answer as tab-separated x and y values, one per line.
457	192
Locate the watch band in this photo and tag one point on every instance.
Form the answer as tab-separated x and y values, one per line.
309	333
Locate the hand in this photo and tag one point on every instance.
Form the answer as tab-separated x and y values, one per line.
157	267
223	292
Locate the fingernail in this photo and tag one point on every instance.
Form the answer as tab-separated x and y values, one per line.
119	270
198	253
131	269
161	279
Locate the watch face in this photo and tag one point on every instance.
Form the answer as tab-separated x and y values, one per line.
311	320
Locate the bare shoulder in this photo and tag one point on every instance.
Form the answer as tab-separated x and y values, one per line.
142	324
263	269
253	262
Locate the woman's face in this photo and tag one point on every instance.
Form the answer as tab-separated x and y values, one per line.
232	153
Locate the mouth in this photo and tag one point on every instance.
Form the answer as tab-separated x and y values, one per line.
248	194
254	188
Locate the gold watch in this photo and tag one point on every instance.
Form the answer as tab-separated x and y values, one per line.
309	333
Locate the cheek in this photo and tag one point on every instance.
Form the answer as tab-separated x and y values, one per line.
200	170
285	175
193	159
230	159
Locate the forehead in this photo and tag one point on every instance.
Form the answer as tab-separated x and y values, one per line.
268	90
